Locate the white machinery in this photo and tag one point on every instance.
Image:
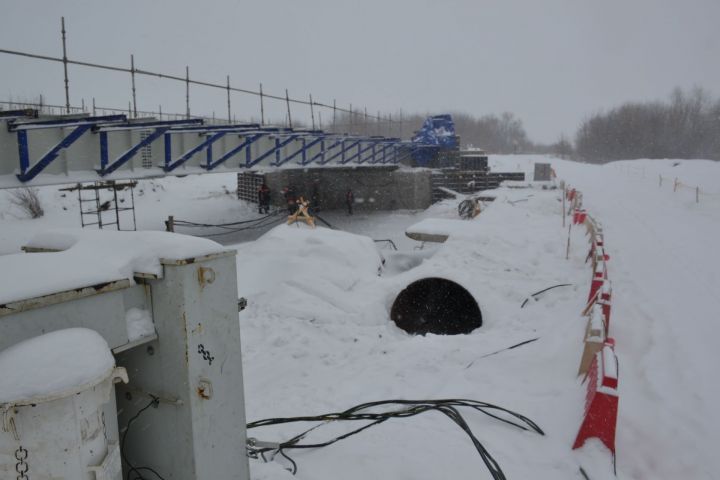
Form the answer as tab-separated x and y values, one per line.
57	406
186	368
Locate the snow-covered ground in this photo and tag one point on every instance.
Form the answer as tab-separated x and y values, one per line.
665	268
317	335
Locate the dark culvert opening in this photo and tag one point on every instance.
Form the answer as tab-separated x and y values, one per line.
436	305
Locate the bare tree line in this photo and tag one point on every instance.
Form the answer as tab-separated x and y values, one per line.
502	133
686	126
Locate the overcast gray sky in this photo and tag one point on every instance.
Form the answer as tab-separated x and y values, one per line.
551	62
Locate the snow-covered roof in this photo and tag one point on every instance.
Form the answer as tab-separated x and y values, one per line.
76	258
56	364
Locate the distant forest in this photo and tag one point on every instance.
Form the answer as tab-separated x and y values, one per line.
687	125
502	133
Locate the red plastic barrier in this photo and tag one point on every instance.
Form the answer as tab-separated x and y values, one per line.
601	405
598	278
579	216
605	301
597	247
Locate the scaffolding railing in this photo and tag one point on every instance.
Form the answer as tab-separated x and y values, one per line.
356	120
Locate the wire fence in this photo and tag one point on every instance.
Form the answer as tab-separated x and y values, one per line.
678	185
354	120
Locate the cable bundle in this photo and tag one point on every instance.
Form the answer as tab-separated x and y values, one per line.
234	227
404	409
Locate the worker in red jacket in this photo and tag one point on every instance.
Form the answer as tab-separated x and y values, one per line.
349	200
264	199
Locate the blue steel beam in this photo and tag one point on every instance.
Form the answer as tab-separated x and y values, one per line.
214	128
142	125
249	140
359	153
386	143
276	149
381	154
302	151
64	122
324	151
106	167
341	153
27	172
171	165
370	158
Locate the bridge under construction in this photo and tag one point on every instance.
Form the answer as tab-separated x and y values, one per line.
36	150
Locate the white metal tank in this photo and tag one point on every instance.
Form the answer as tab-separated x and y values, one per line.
58	418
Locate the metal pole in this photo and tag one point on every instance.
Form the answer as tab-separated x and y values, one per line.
228	98
320	119
94	114
378	123
262	107
187	91
401	125
117	209
312	112
567	249
287	100
334	112
132	76
349	130
365	122
65	64
160	111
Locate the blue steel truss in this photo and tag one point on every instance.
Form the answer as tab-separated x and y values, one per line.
342	149
28	172
159	128
359	153
302	151
279	144
247	142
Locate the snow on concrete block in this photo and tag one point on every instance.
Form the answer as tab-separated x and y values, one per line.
601	406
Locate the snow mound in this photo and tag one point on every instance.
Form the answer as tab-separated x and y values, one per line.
311	274
88	258
57	363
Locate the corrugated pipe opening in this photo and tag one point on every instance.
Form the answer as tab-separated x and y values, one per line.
436	305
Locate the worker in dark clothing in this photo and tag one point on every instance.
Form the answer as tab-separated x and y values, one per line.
349	200
263	199
315	199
